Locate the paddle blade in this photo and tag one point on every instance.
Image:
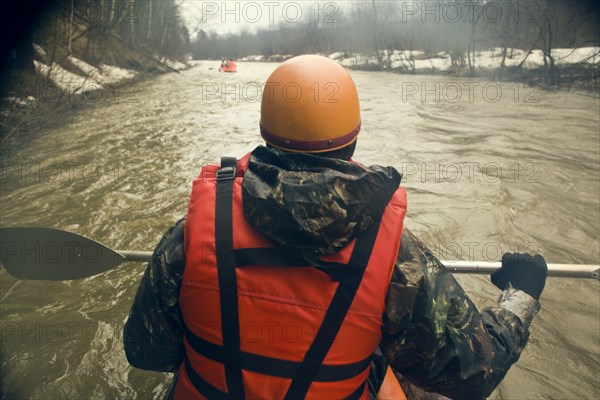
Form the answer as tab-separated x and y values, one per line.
52	254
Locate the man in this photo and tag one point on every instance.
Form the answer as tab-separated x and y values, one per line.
292	267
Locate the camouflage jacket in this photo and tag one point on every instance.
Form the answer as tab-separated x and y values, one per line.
433	335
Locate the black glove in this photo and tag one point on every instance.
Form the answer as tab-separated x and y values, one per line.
524	272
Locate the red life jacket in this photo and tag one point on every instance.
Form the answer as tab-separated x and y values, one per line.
260	323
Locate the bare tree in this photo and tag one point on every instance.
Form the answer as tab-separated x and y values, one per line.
475	14
71	25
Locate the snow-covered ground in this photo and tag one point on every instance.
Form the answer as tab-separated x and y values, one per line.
103	74
176	65
90	78
490	59
418	61
253	58
65	80
272	58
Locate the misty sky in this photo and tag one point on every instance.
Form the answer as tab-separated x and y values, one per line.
234	16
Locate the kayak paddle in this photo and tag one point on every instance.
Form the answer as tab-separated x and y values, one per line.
52	254
56	255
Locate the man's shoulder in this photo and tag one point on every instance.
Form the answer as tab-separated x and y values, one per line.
171	246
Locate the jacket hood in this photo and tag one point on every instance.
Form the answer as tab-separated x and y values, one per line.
312	203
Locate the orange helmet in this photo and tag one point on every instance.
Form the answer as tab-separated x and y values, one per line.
310	104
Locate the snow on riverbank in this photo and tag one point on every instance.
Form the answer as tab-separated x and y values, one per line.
493	58
418	61
76	76
65	80
176	65
489	59
89	79
104	74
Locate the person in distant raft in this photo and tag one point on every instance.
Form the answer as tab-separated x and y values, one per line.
292	268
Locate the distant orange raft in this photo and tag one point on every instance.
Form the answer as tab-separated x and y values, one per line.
228	66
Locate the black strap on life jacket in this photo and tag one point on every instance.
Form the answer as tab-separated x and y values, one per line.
335	315
227	278
311	368
275	366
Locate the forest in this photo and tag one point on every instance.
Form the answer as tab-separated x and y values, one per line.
134	34
56	52
143	35
457	28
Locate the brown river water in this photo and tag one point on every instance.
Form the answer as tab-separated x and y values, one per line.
488	167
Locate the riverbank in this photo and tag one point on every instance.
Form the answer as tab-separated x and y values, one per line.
82	55
574	69
29	96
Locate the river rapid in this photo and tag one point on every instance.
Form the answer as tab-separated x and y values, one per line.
488	167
